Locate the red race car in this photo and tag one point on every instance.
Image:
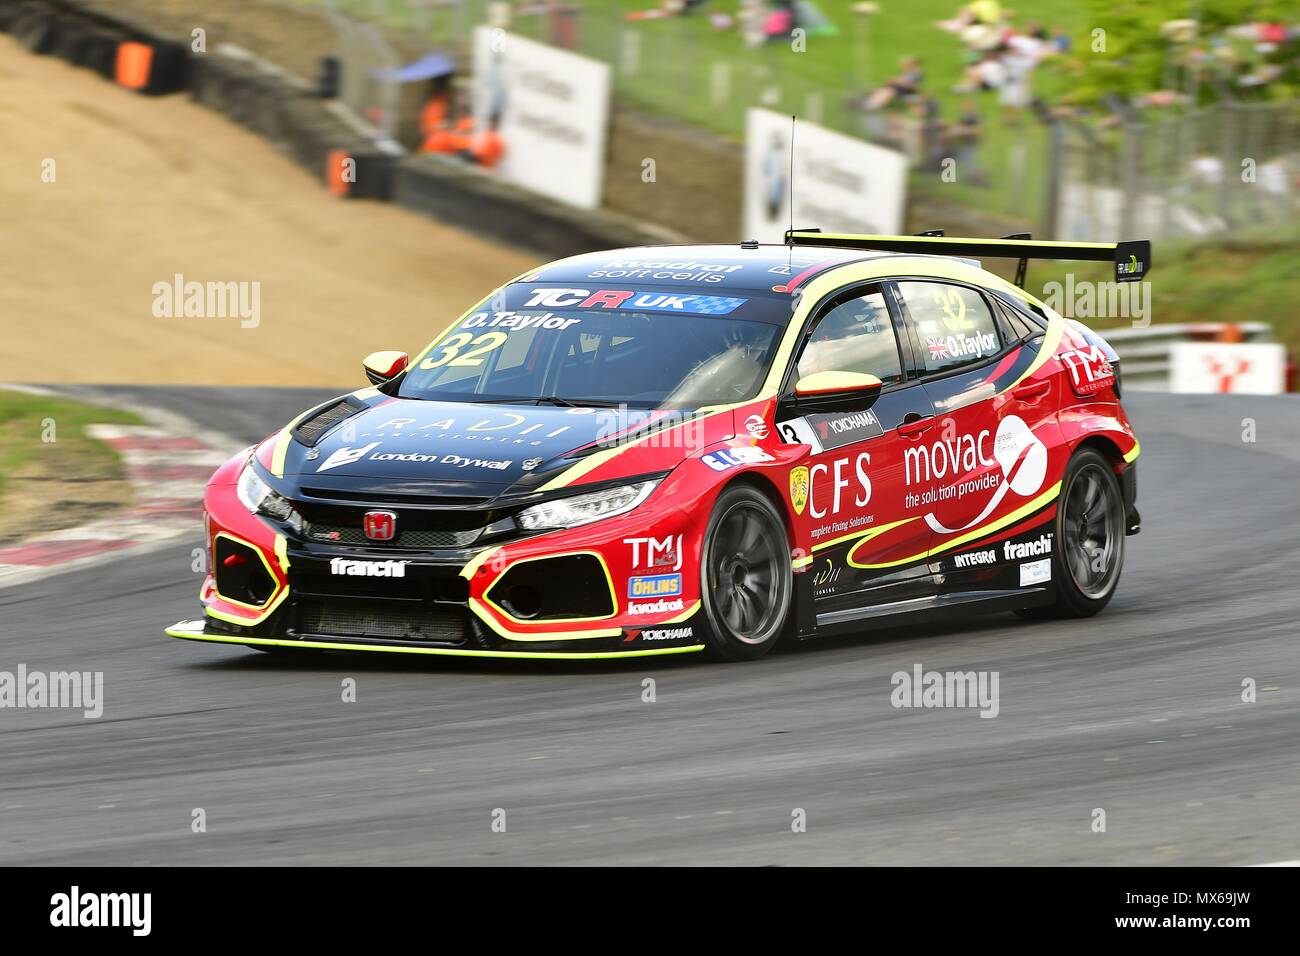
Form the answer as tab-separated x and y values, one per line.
694	448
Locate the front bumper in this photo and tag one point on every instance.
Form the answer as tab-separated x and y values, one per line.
198	631
267	589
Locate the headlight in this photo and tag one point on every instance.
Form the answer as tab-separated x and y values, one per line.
260	498
584	509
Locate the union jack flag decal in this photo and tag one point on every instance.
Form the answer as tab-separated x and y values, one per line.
938	346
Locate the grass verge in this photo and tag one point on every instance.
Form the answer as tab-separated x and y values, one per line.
52	474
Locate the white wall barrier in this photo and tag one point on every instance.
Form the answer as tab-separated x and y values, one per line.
1189	358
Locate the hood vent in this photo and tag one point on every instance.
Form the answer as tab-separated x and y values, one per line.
311	430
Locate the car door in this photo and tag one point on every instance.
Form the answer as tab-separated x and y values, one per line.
987	460
868	547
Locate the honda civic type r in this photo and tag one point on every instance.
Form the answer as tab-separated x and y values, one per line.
694	448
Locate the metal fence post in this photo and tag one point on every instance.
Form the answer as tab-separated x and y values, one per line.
1052	190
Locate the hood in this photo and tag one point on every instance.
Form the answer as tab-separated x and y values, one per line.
487	448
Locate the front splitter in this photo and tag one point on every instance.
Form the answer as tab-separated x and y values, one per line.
194	631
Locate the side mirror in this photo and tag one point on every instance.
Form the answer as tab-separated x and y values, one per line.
381	366
836	391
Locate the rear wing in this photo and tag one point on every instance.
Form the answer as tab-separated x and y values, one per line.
1132	260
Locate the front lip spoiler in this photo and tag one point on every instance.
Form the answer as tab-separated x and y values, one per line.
194	631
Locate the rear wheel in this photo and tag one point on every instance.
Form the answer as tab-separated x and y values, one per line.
746	578
1089	549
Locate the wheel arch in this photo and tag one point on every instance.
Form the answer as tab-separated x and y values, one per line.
803	615
762	483
1106	446
1125	474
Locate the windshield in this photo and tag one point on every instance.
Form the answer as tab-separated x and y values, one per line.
643	347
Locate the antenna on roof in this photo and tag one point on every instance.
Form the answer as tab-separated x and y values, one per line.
792	122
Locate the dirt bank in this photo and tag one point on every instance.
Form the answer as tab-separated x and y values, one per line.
146	189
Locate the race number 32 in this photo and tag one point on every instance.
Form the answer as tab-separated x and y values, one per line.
450	351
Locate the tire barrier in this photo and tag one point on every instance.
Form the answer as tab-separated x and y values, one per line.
35	28
151	66
99	51
462	195
300	122
9	12
127	54
240	92
360	173
67	37
294	120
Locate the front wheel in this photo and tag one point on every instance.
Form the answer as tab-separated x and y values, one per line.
1089	551
745	575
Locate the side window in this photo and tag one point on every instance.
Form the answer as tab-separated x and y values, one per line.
855	335
1019	325
953	324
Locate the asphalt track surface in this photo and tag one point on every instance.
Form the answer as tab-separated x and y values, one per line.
1137	712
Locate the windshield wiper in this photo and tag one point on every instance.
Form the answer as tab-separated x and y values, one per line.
562	402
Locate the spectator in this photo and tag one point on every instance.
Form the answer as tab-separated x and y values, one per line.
963	142
780	21
486	146
903	86
988	73
1023	51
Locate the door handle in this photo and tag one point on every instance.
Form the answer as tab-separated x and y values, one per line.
916	426
1032	391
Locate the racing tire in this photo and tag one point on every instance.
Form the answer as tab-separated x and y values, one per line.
746	580
1089	535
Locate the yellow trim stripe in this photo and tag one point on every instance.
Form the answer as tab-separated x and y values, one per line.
685	615
1134	451
1012	244
980	532
282	444
282	439
1046	350
866	533
591	462
477	607
261	556
1027	509
247	621
442	651
477	562
883	268
596	459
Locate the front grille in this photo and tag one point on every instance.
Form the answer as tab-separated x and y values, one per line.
437	625
392	499
415	539
448	587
